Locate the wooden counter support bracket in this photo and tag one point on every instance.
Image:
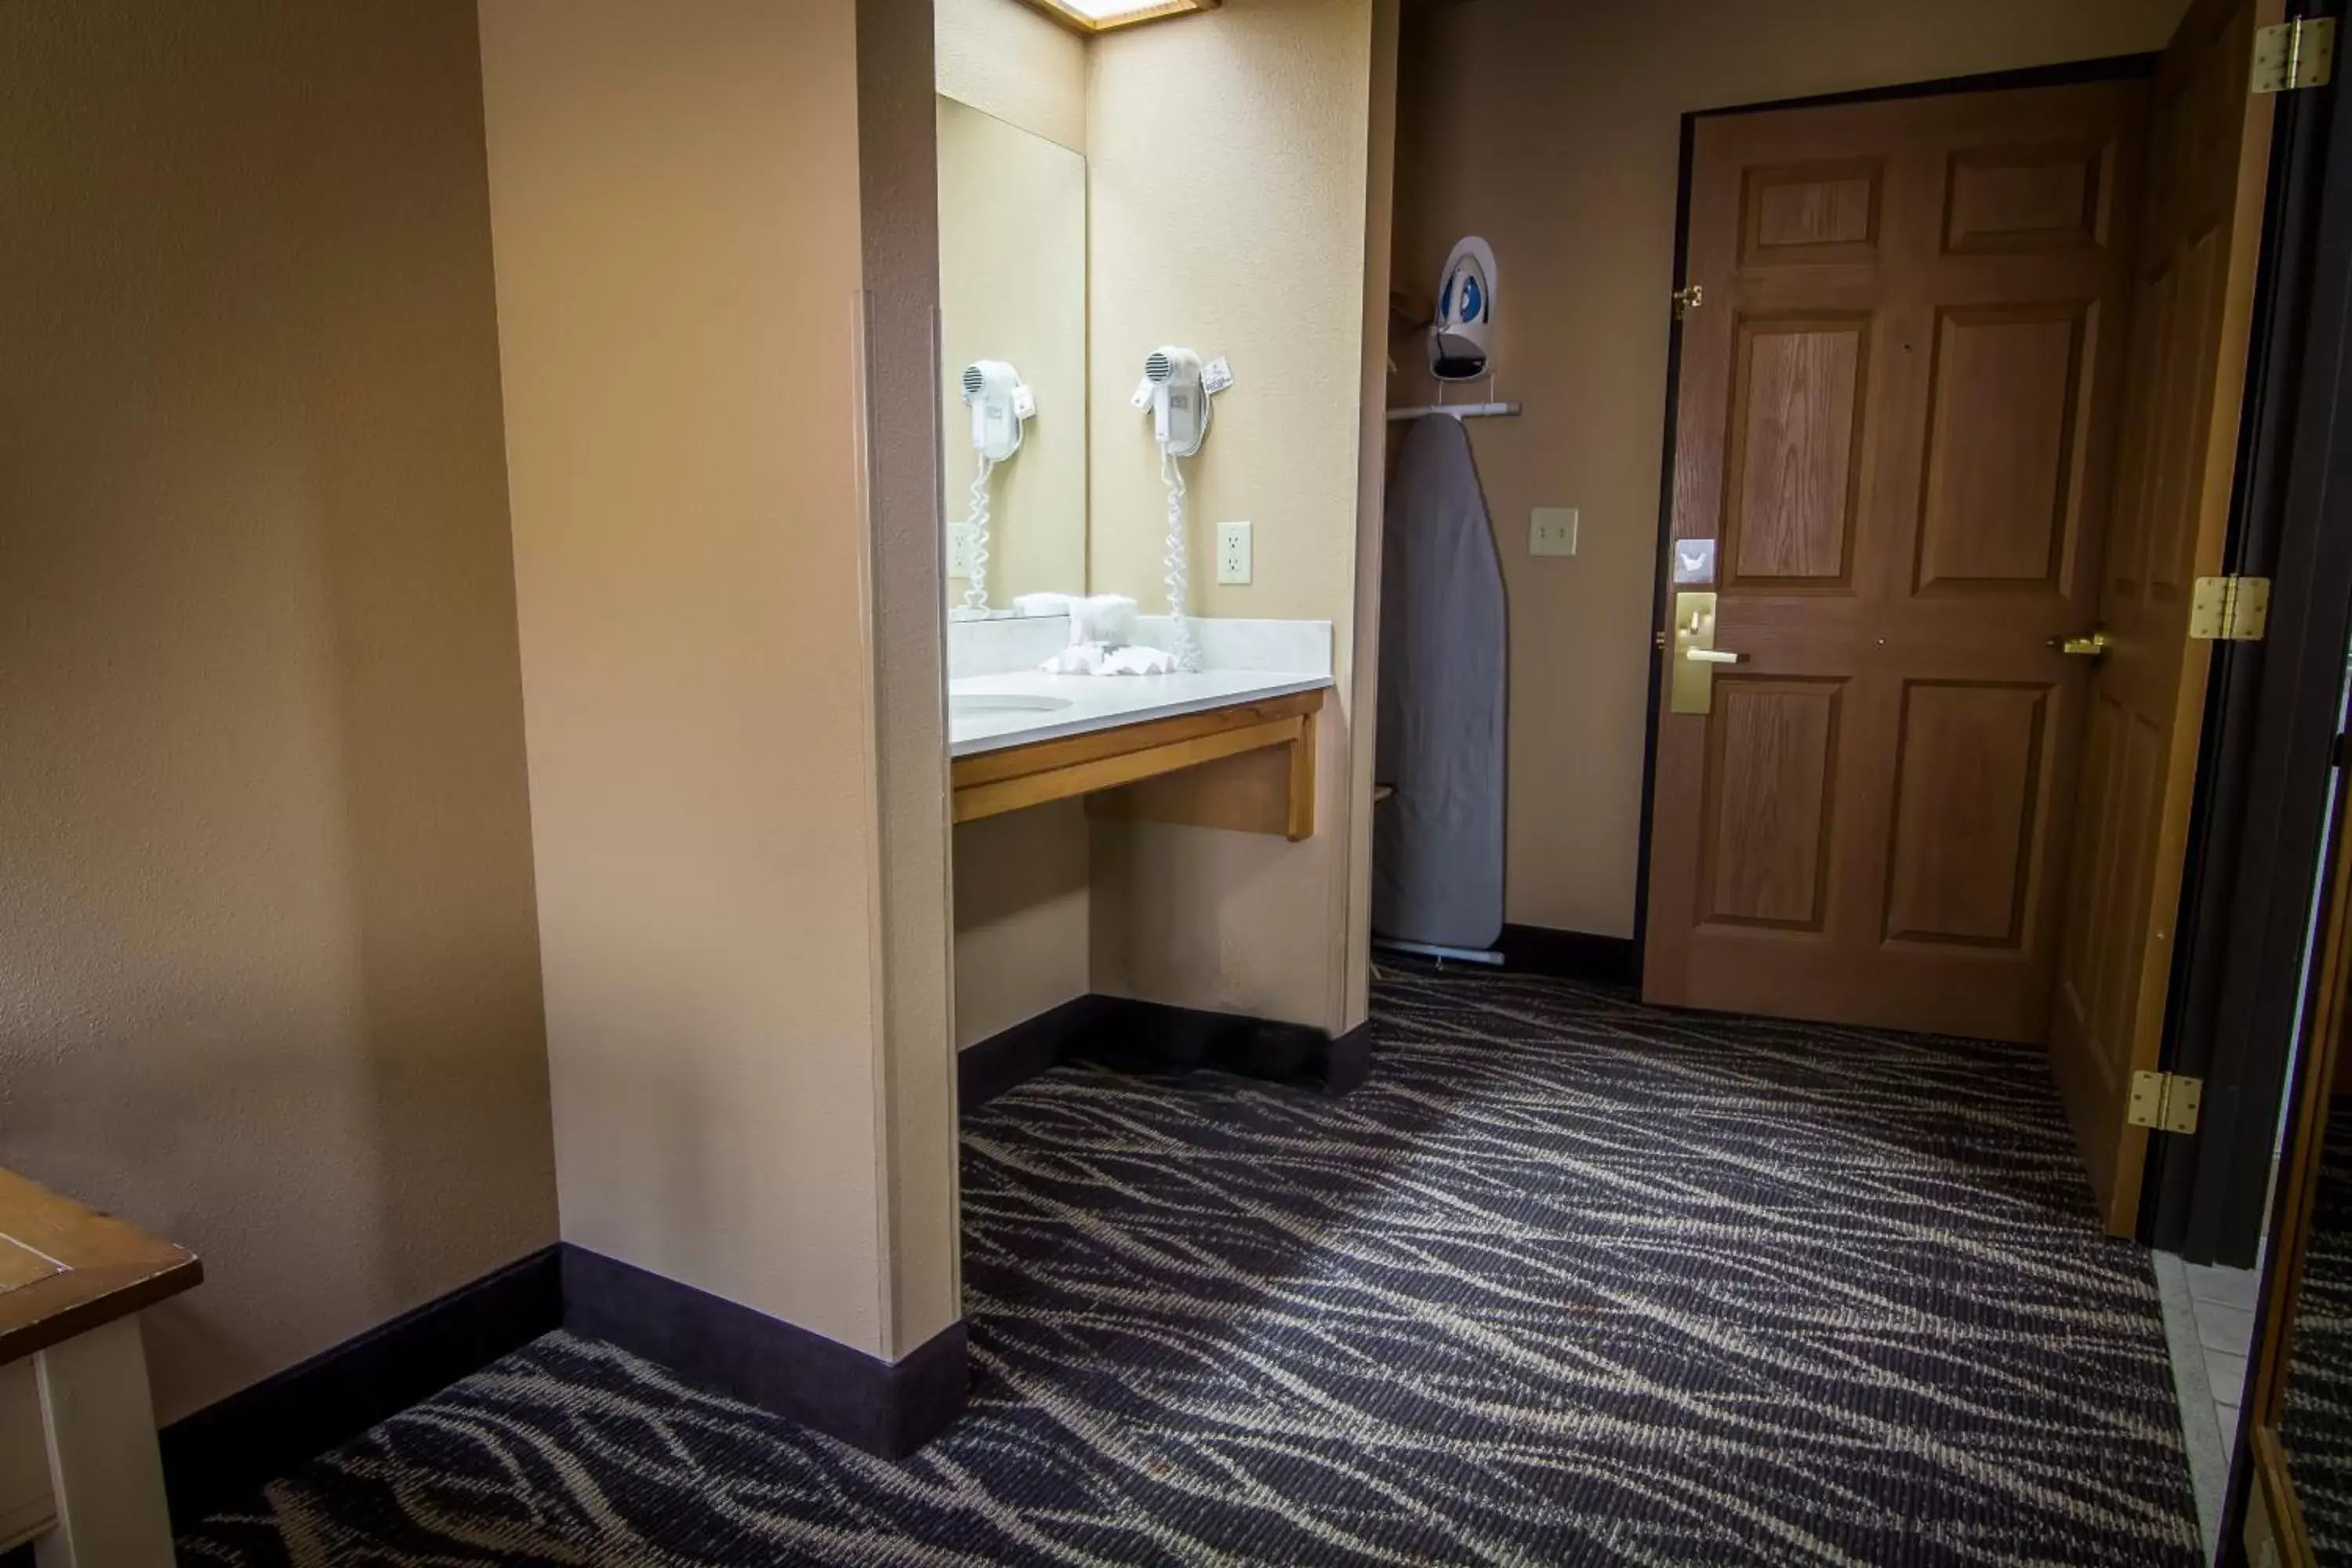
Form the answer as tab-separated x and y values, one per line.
989	784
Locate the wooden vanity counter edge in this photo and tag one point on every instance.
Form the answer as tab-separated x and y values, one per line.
66	1268
989	784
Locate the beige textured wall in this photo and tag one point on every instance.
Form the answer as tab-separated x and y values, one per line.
1021	917
913	927
1013	286
676	192
1229	154
1553	130
269	969
1003	57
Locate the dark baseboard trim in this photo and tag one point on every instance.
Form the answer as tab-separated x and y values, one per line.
1351	1060
218	1454
883	1408
1569	954
1011	1057
1130	1035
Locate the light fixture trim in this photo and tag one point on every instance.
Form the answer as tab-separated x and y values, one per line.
1091	17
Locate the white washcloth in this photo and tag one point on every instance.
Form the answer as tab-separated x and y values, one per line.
1101	659
1107	618
1043	604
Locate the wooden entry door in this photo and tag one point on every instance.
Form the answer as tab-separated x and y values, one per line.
1896	416
2208	152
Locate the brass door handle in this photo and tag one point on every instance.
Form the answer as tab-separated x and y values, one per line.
2090	646
1713	656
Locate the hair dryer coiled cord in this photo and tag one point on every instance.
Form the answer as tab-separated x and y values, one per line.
1187	651
975	594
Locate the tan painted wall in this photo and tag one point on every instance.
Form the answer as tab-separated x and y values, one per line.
1021	916
1013	286
913	929
1553	130
717	646
1005	59
268	967
1229	154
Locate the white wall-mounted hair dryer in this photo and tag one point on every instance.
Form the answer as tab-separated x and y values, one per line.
1177	388
1000	404
1180	407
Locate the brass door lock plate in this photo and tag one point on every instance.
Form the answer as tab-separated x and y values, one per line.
1694	656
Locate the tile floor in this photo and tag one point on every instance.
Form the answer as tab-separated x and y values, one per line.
2209	1322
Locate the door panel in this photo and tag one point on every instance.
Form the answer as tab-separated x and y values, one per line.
2023	198
2210	146
1896	416
1771	751
2001	445
1796	422
1968	787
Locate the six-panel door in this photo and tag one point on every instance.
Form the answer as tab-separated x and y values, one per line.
1896	414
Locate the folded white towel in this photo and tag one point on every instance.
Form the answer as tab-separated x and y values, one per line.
1107	618
1100	659
1042	603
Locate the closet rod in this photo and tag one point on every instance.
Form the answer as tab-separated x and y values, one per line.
1458	410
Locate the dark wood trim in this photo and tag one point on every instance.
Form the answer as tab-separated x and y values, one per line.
2272	713
887	1408
1129	1035
2064	74
1571	955
224	1451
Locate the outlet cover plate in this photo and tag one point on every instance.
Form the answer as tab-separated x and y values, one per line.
1552	530
1234	552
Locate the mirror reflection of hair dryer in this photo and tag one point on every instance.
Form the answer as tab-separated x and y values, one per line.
1000	404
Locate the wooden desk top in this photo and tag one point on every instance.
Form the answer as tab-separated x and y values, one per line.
65	1270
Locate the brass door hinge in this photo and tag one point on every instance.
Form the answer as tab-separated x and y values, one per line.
1687	298
2293	54
2230	609
2166	1102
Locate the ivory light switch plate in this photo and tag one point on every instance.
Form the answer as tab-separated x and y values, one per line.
1552	530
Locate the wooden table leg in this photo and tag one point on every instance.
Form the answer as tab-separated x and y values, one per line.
100	1425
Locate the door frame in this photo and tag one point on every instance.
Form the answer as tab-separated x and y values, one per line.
2066	73
2267	759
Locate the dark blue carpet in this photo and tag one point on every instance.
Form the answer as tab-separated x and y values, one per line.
1570	1280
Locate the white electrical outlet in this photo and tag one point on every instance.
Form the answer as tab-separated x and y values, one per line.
1552	530
960	550
1233	553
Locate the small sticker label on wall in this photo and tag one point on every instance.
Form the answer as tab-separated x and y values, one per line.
1694	561
1216	375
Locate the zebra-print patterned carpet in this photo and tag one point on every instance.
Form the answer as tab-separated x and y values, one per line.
1570	1280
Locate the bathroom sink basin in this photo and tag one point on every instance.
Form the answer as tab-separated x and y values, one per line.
1009	702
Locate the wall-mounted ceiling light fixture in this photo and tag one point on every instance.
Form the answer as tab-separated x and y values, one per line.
1101	15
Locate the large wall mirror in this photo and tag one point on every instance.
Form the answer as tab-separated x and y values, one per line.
1013	342
2298	1507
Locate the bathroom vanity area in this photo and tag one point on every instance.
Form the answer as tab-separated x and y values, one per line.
1019	737
1133	409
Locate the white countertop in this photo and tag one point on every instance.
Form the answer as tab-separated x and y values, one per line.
1101	701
